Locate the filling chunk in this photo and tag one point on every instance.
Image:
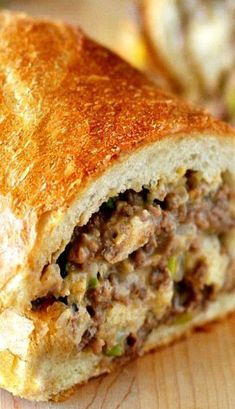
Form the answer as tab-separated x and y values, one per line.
146	258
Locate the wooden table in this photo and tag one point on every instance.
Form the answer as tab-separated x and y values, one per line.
197	373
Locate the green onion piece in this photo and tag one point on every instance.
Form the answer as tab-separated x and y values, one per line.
173	266
92	283
115	351
183	318
109	205
231	102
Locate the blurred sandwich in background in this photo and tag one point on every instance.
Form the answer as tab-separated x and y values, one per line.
190	45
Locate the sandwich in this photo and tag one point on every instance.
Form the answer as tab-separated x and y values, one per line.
117	211
191	44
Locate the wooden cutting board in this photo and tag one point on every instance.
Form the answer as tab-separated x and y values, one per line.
197	373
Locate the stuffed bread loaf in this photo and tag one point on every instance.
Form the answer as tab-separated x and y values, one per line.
117	211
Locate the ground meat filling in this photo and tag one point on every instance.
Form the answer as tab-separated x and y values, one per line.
146	259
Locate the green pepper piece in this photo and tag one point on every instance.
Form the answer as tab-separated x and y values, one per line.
230	98
183	318
109	205
92	283
115	351
173	266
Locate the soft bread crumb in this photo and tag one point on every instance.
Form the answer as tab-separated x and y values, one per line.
15	331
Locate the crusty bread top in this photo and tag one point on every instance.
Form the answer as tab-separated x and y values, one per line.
70	108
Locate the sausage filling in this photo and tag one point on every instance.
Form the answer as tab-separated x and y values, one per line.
146	258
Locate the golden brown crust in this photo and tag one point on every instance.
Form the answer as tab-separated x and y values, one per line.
70	109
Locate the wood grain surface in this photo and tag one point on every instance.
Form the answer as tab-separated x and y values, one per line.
196	373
